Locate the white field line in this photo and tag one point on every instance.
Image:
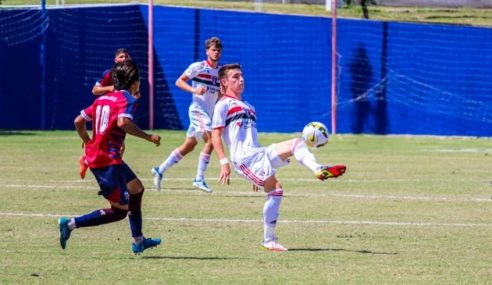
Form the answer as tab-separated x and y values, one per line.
79	186
249	221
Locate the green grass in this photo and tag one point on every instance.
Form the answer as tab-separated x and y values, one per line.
409	210
462	16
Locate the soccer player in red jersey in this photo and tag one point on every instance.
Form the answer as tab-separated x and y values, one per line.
103	86
111	117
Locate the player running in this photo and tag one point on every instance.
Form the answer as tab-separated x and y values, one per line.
111	116
205	90
103	86
235	121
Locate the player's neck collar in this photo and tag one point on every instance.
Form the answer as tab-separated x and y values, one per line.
233	97
211	64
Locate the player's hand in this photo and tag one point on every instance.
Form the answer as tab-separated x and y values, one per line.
122	150
200	90
156	139
225	173
256	188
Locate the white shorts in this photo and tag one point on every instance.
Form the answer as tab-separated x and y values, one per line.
259	165
200	122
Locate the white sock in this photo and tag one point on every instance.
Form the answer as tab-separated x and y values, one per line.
71	224
270	214
138	240
203	161
303	155
173	158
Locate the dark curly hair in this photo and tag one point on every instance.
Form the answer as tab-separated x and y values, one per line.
124	74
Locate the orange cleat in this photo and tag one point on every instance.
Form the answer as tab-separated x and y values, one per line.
82	167
325	172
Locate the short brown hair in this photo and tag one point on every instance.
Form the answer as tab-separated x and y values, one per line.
213	41
226	67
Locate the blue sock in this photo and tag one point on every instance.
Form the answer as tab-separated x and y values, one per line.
100	217
135	214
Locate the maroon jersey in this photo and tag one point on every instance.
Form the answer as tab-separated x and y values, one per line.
107	138
106	79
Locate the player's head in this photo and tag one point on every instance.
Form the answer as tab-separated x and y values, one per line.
213	47
125	76
231	78
121	55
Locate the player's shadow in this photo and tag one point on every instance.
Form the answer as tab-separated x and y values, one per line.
190	257
16	133
362	251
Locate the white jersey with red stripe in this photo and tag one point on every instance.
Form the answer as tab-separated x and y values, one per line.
203	74
239	121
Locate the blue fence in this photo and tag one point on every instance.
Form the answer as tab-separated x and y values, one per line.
394	78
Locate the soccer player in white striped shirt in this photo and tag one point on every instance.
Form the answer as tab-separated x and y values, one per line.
234	120
205	89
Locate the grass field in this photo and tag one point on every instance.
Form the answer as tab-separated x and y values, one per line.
409	210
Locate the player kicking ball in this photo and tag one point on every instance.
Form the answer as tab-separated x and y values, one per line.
234	121
111	116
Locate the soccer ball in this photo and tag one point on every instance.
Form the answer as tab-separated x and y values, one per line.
315	134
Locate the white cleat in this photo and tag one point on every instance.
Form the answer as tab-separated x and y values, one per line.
157	178
200	184
273	246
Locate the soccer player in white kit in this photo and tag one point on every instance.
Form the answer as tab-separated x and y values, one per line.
234	120
205	89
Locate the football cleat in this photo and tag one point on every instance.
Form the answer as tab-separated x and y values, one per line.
273	246
146	243
82	167
200	184
324	172
157	178
64	231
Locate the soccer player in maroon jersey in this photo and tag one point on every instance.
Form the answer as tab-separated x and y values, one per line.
111	117
103	86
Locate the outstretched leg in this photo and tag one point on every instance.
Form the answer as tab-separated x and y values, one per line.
298	149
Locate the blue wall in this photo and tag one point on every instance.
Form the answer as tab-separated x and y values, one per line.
395	78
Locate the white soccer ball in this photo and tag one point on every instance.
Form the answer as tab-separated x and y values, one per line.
315	134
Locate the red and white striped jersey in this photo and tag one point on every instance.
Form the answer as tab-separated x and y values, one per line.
239	121
203	74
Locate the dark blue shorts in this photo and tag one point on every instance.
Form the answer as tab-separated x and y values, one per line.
112	181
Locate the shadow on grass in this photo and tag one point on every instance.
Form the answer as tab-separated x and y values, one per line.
363	251
16	133
189	257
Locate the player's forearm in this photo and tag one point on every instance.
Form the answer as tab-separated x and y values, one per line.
183	85
131	128
100	90
80	126
218	145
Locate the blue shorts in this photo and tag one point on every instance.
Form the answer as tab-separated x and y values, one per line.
113	181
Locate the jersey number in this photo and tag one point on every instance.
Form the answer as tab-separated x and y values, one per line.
102	118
